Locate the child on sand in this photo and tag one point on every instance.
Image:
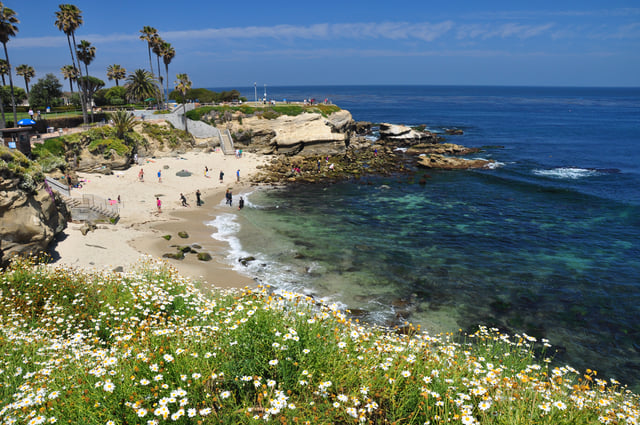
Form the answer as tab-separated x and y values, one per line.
159	176
141	175
159	204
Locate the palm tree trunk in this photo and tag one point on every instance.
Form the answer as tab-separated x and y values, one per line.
2	123
161	94
13	99
150	62
166	96
26	84
81	89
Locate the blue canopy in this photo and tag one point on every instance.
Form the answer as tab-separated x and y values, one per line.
26	121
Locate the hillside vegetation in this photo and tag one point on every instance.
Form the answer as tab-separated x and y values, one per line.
149	347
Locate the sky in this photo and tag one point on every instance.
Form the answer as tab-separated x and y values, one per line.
235	44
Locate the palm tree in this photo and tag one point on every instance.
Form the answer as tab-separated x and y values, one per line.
86	54
68	19
148	34
157	50
168	53
4	70
122	123
116	72
141	85
183	85
70	72
8	29
27	72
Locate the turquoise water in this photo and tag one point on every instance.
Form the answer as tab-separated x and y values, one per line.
547	243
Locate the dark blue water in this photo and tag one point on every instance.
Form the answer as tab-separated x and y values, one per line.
548	243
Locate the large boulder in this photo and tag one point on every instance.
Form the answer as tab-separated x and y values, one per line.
403	135
30	219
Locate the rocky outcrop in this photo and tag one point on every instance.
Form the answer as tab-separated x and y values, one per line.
452	163
405	136
306	134
30	219
441	149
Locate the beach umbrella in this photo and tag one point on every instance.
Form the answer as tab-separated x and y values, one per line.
26	121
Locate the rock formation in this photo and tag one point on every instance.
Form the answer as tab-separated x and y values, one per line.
306	134
403	135
452	163
30	219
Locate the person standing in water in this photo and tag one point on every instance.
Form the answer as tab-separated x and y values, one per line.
241	203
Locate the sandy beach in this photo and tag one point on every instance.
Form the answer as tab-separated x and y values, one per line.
141	227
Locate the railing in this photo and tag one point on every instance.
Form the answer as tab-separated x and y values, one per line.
57	186
100	204
227	147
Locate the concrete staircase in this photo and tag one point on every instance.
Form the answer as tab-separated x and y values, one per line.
91	208
226	143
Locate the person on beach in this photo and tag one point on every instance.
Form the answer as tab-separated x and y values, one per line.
229	197
241	203
159	176
221	176
238	175
198	200
183	200
159	204
141	175
206	171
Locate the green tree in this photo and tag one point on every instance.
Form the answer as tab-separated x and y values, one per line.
46	92
122	123
90	85
18	93
116	95
183	85
141	85
68	20
8	29
168	53
70	72
27	72
116	72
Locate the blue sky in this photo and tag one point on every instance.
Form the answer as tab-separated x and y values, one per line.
273	42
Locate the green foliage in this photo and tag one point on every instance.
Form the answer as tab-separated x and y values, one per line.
13	164
45	92
167	135
147	344
267	111
18	92
105	146
206	96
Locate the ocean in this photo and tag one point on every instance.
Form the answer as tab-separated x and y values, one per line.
547	243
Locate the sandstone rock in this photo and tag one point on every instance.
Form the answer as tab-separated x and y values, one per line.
441	149
452	163
30	220
306	134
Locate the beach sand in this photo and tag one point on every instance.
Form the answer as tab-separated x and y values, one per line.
139	231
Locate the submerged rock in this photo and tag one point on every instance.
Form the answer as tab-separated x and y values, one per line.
451	163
